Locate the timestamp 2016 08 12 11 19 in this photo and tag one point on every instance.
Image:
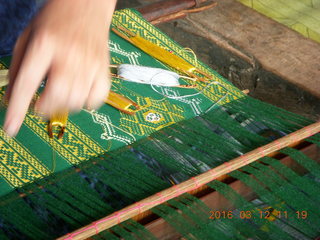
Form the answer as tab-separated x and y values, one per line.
262	214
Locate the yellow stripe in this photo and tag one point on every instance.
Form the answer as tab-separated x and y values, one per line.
75	146
147	31
18	166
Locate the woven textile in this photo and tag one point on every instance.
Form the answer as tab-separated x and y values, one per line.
184	140
32	154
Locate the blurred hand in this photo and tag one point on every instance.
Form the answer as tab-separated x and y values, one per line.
67	42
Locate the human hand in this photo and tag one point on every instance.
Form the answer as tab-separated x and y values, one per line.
67	42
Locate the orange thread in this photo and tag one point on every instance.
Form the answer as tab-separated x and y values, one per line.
69	236
309	131
213	173
278	143
227	164
295	136
139	207
261	151
118	217
179	190
95	224
244	159
196	182
162	198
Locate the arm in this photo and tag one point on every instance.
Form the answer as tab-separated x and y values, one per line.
67	42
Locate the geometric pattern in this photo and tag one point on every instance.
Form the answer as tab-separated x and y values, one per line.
147	31
17	165
139	125
75	146
86	135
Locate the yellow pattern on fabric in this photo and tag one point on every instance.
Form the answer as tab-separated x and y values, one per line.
75	146
18	166
147	119
154	115
153	35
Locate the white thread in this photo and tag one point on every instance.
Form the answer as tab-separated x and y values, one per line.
141	74
194	94
189	50
161	77
109	132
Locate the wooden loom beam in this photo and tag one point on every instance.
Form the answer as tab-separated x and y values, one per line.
307	148
181	14
215	201
192	184
163	8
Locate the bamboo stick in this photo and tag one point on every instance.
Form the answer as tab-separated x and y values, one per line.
181	14
161	229
205	189
162	8
191	184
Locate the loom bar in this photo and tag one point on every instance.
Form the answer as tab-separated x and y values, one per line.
191	184
161	229
181	14
159	9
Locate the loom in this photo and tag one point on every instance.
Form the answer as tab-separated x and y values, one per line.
221	165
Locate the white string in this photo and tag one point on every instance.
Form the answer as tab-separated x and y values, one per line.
189	50
142	74
94	113
194	94
216	103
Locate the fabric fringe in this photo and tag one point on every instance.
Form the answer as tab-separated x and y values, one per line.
66	201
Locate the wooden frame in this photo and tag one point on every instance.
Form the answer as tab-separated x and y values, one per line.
166	11
215	201
193	183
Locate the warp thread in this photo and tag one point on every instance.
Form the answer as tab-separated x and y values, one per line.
161	78
194	94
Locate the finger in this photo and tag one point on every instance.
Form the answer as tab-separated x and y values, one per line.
99	92
55	95
18	53
80	86
67	89
32	70
78	94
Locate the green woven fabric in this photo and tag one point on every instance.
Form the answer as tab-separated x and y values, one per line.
300	15
78	196
108	175
33	155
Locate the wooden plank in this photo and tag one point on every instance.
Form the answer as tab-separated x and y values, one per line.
261	41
